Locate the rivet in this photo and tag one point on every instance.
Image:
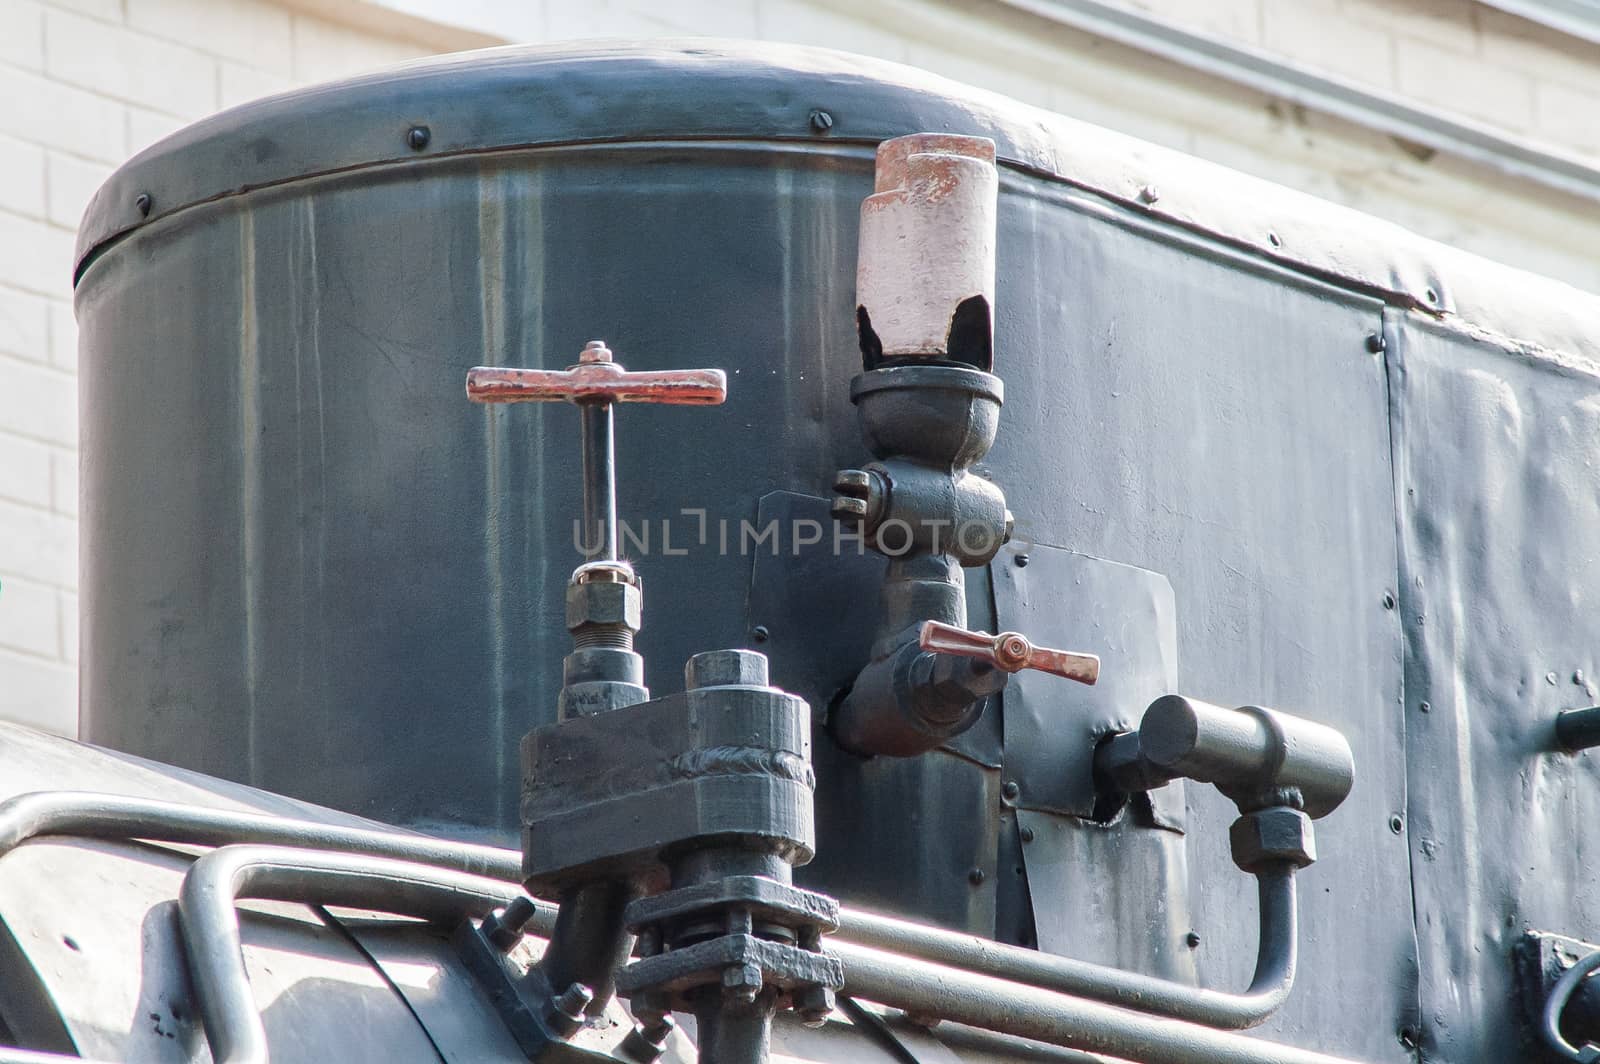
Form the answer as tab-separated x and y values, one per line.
760	634
1274	239
1388	600
821	121
1192	940
417	137
1022	561
1425	707
142	202
1027	834
1148	194
1397	824
1376	343
1550	678
1577	677
976	877
1009	790
1431	296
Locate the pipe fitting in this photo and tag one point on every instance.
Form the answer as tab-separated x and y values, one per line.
925	271
1258	757
909	701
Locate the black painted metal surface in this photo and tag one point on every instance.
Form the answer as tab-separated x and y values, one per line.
1495	462
310	565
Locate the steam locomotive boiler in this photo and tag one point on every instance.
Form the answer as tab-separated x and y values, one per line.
1125	610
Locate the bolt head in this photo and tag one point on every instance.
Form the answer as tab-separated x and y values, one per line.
741	982
852	482
813	1004
418	137
821	121
595	351
142	203
575	1000
846	508
566	1012
861	496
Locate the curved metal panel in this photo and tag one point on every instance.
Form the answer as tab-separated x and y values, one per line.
509	99
349	585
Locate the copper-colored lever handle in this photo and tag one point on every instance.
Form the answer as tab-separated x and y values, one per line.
597	379
1008	651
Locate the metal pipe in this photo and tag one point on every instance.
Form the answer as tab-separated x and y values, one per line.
115	816
590	941
599	479
731	1034
968	998
1247	750
1578	729
209	921
1274	975
982	1001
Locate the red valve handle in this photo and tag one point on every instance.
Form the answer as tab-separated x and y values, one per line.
597	379
1008	651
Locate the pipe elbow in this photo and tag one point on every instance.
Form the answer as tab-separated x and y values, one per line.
910	701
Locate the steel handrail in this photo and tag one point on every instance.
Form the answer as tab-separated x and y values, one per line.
117	816
209	920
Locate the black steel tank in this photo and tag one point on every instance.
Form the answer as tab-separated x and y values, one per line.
1257	449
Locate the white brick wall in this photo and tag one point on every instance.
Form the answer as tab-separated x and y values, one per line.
87	83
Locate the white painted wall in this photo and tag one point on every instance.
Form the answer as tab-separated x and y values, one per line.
85	83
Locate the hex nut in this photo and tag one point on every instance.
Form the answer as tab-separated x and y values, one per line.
725	668
604	602
1278	835
813	1004
741	982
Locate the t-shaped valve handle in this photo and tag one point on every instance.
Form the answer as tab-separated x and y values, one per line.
1008	651
594	384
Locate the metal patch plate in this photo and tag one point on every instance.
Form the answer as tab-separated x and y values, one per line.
1079	874
1115	895
1072	601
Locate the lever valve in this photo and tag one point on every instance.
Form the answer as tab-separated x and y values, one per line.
604	603
1008	651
